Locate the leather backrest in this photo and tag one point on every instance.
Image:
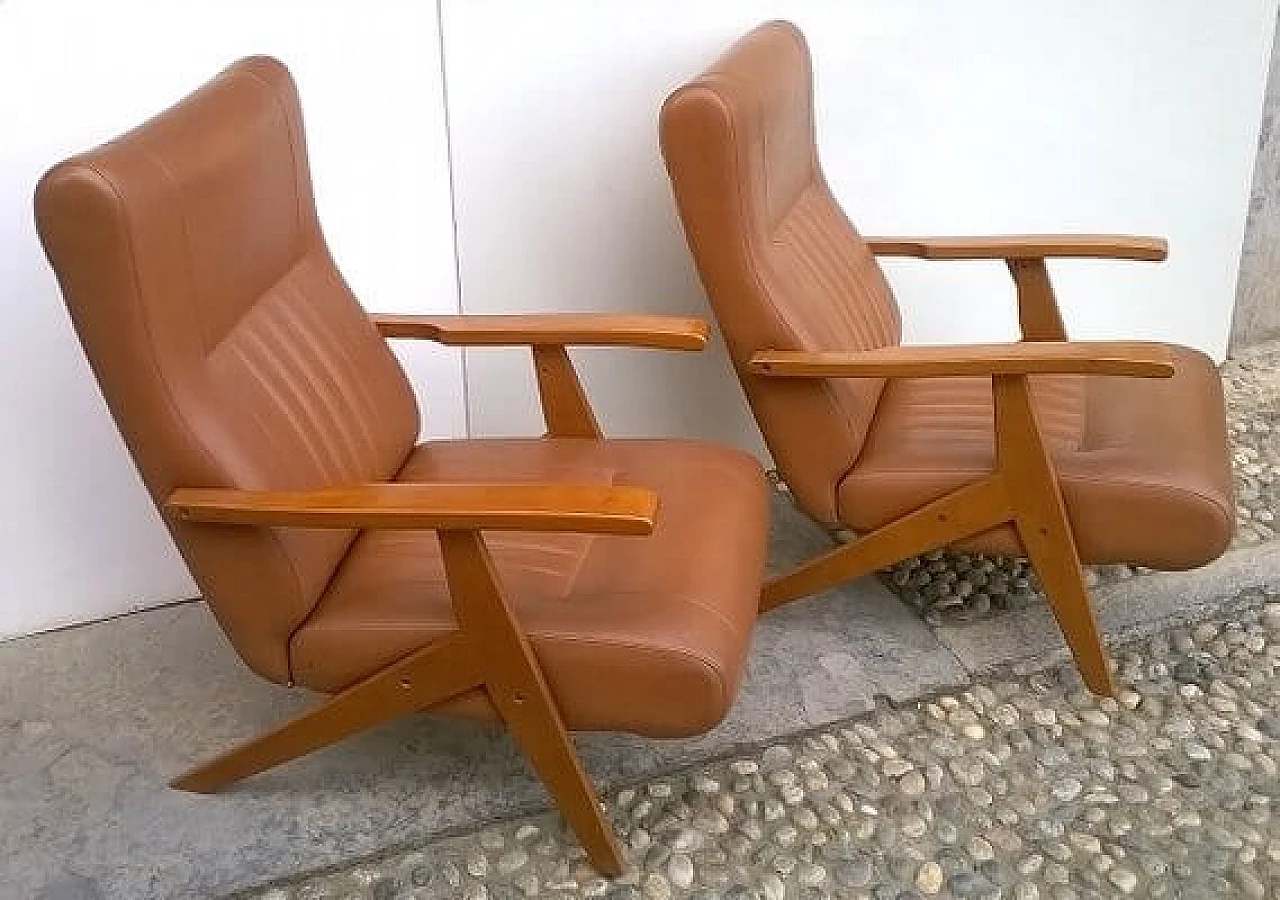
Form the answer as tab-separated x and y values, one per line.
229	349
782	266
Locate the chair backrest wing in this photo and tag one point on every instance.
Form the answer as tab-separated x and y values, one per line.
781	264
229	349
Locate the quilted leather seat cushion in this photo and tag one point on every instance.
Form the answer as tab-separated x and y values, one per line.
1142	461
638	634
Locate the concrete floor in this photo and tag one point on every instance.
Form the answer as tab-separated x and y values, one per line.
94	720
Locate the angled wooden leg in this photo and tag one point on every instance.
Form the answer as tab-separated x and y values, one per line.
564	403
520	693
1045	530
489	650
970	510
424	678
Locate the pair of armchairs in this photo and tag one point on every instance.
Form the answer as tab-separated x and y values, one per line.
570	582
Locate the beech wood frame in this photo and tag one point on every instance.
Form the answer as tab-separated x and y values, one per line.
1023	490
489	651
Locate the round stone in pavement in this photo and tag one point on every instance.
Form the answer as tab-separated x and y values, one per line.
1030	788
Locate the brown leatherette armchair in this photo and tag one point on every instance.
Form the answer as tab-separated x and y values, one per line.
1106	452
562	582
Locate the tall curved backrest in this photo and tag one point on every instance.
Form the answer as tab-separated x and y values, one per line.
783	268
228	347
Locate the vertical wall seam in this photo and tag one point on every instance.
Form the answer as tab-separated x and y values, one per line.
453	207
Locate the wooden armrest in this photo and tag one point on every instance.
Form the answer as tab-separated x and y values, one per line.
564	402
593	509
1025	254
1132	358
1023	246
553	329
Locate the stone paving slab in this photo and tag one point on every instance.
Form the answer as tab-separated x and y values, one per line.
94	720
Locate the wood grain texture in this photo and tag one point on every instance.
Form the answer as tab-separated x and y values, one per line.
565	406
564	402
1137	359
521	695
563	329
1044	528
1024	246
595	509
1038	314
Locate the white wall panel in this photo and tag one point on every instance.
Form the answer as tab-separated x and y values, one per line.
78	536
935	116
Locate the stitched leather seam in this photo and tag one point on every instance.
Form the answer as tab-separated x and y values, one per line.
271	532
694	601
164	391
279	102
186	231
283	108
749	259
142	317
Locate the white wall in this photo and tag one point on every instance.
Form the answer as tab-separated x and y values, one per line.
78	537
936	116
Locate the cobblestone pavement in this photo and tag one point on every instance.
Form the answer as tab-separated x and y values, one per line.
947	586
1021	788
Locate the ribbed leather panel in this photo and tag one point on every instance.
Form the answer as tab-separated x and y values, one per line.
945	417
302	404
300	384
931	435
543	565
836	297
